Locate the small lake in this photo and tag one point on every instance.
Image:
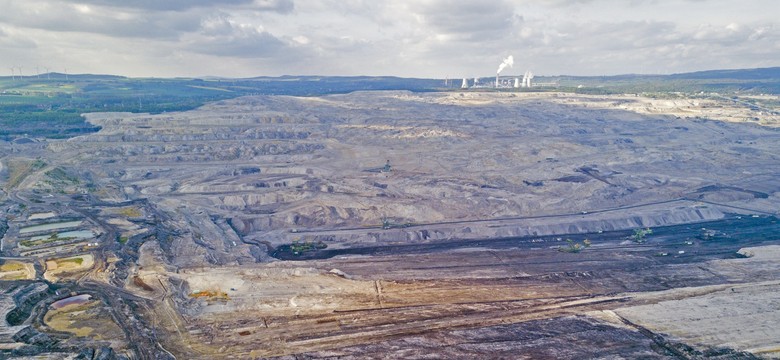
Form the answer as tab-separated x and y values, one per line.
73	300
79	234
51	226
41	216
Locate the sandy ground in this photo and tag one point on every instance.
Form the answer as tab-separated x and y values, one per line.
742	316
57	268
14	270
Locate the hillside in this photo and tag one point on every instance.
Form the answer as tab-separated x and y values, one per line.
50	105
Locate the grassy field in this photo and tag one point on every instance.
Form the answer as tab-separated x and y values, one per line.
19	169
88	319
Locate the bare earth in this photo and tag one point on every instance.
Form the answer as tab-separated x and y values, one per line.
271	226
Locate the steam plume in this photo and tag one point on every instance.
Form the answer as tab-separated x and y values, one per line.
509	61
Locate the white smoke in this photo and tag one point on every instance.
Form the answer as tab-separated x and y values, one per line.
509	61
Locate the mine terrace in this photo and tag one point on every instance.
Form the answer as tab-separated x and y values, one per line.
395	224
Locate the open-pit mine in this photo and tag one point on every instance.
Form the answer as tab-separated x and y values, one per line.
398	225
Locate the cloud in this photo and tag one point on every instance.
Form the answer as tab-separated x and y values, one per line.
62	17
221	36
12	39
431	38
622	36
141	19
732	34
606	47
468	20
249	45
282	6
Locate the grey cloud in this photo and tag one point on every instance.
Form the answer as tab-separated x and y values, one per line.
404	37
612	2
612	47
163	4
283	6
734	34
15	41
259	45
343	44
638	35
626	35
563	2
64	17
469	20
218	25
220	36
124	18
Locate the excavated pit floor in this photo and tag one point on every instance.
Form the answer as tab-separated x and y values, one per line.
454	252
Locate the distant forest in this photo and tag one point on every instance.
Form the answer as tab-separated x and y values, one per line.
50	105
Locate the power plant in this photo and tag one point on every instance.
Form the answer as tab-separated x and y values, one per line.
509	61
516	82
527	77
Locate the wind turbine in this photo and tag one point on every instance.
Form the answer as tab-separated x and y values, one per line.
66	74
13	74
37	71
20	72
48	74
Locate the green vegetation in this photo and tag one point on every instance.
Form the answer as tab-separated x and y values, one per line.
19	169
640	235
12	266
76	260
27	243
51	107
756	81
298	248
38	164
122	239
59	175
52	238
59	180
388	224
130	211
574	247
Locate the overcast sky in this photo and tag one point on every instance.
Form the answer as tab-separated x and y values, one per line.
424	38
